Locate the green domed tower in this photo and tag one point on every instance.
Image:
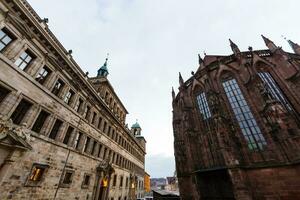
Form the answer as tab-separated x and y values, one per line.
136	129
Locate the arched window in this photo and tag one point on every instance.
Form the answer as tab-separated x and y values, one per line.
203	106
274	89
243	115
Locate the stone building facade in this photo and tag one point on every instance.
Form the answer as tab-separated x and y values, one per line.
236	126
62	134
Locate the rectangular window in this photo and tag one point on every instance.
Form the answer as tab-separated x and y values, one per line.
94	147
121	181
86	144
99	122
58	87
77	140
20	112
55	129
24	60
115	180
99	152
104	153
274	89
3	93
86	180
104	127
43	75
69	96
5	39
68	135
203	106
67	179
244	116
40	121
87	112
36	175
94	117
126	181
78	105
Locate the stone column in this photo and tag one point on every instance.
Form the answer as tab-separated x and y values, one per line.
34	66
31	115
47	126
72	137
96	150
61	133
81	143
9	103
90	146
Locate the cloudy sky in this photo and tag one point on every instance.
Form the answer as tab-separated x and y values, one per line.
150	41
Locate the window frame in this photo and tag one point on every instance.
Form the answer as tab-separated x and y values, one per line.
45	78
26	113
62	181
37	183
8	34
58	91
243	115
203	106
23	60
48	114
85	185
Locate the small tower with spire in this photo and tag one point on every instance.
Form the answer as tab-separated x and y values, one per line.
234	48
103	71
270	44
295	47
136	129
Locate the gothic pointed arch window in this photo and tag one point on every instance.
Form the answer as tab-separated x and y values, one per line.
274	89
203	105
247	123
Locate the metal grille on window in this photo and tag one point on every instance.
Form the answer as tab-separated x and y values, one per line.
274	89
244	116
5	39
203	106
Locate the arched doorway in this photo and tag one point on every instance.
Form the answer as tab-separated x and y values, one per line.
103	175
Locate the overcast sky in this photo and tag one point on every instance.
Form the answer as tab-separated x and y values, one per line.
150	41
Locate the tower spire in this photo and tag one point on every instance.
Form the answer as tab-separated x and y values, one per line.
270	44
200	60
103	71
234	48
295	47
173	93
181	82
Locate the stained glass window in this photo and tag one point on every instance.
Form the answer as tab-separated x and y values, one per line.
244	116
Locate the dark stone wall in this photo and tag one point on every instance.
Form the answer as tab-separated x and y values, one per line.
218	143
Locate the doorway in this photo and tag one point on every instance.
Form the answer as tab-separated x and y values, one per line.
215	185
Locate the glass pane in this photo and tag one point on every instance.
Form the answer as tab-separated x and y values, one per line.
23	55
2	34
1	46
23	65
6	40
244	116
18	62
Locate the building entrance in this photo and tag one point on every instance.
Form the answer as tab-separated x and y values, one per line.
215	185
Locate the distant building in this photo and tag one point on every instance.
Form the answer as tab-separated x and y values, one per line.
147	184
158	183
236	126
62	134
